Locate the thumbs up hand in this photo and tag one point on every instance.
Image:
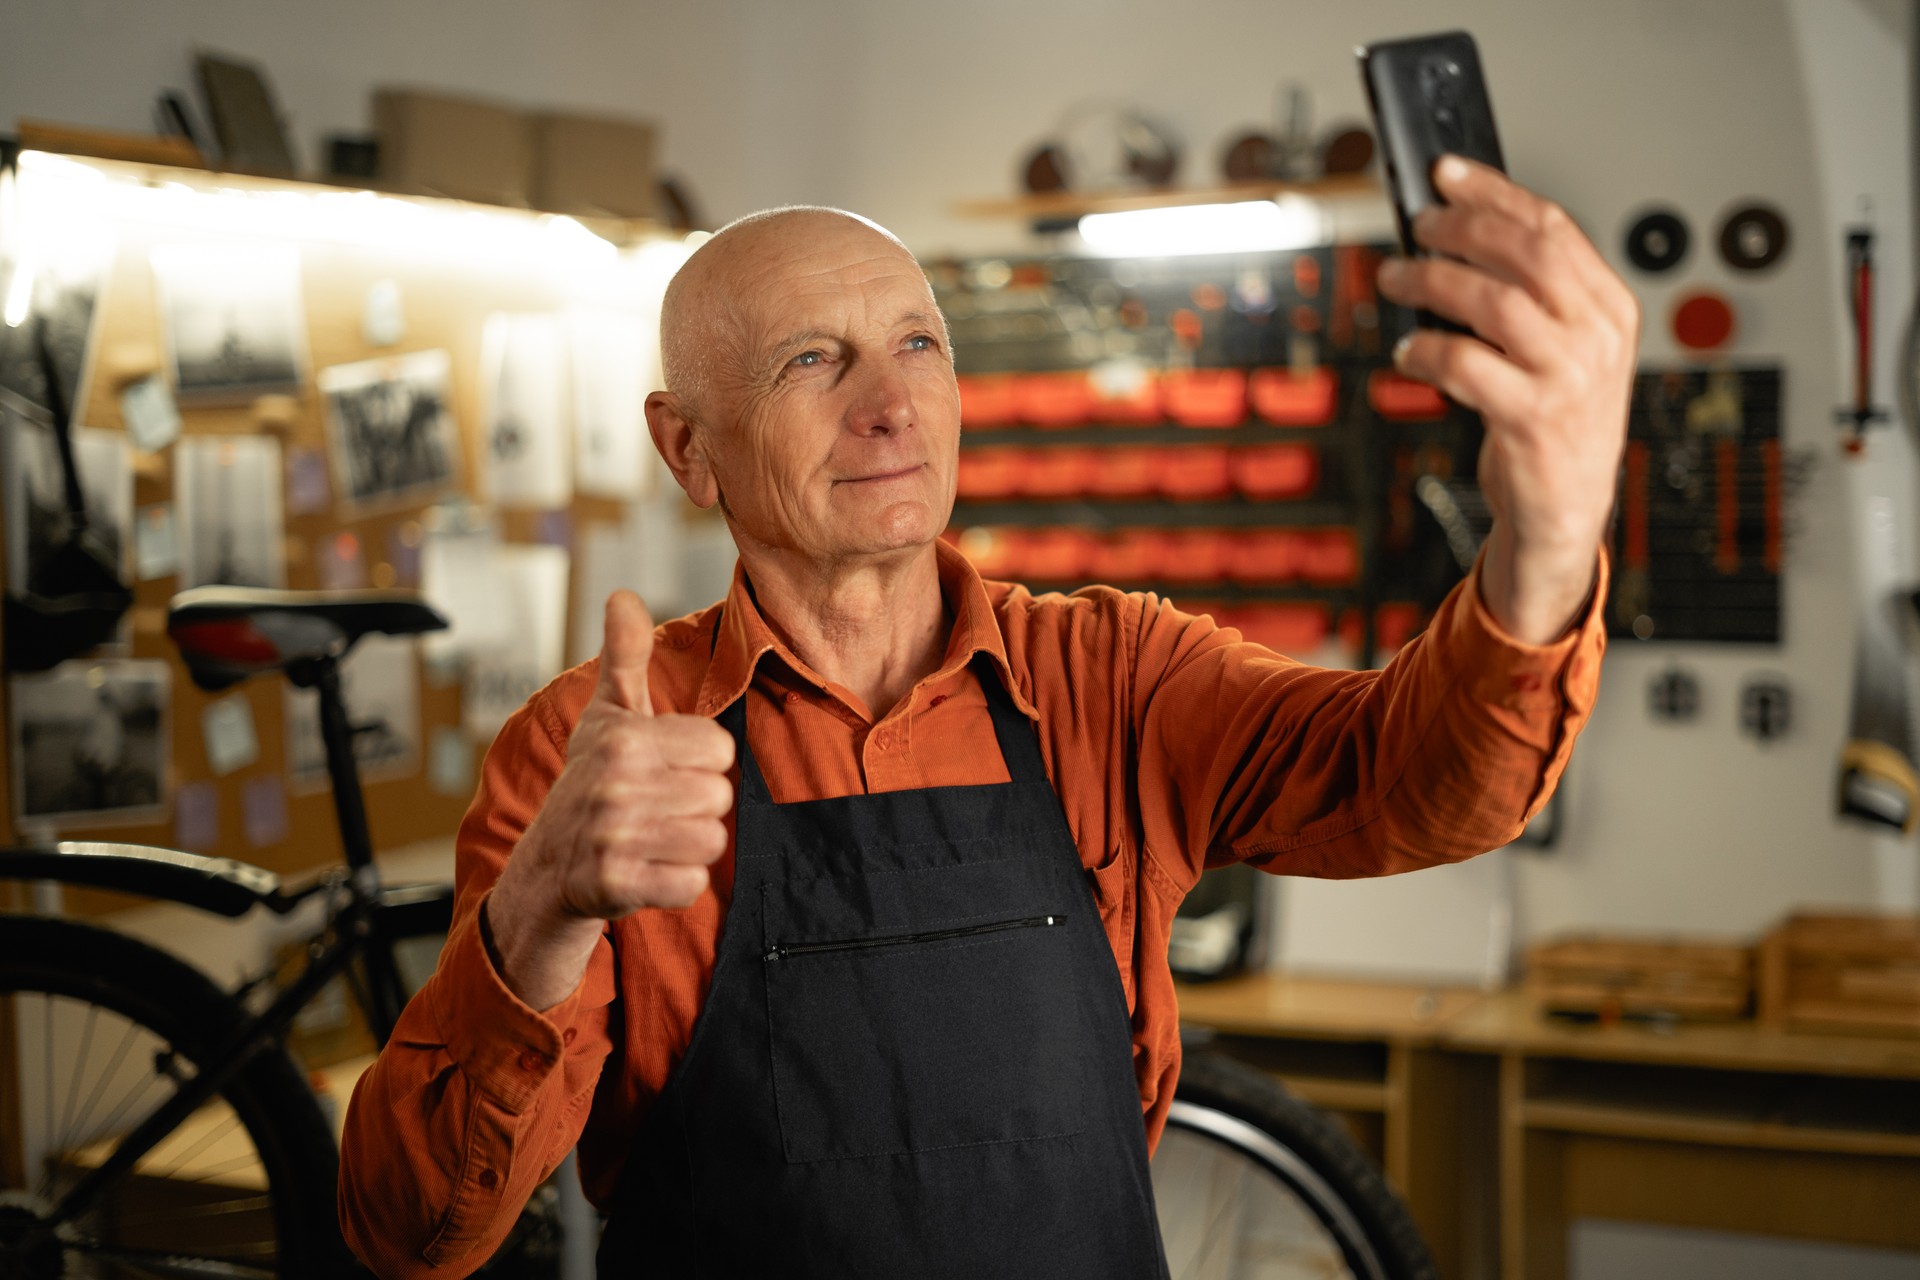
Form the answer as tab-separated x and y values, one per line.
634	820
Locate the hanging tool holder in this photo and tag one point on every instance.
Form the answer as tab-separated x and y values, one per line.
1861	414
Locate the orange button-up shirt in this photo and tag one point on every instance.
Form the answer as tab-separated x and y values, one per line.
1174	746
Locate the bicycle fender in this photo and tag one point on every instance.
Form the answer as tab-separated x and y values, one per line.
221	885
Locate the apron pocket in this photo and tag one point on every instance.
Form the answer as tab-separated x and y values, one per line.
905	1041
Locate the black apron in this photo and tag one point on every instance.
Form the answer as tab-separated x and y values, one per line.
914	1060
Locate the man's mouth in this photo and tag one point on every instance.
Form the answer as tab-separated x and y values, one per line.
898	474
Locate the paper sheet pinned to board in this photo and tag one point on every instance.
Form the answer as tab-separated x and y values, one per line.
644	554
523	379
615	362
529	589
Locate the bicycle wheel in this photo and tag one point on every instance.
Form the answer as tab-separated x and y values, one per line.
1254	1184
103	1029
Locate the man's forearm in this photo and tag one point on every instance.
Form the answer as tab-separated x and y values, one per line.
1536	593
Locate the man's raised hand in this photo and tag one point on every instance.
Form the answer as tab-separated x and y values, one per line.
1550	372
634	820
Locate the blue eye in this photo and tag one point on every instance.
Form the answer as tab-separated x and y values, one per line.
920	342
807	359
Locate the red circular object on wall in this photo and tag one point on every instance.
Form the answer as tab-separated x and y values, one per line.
1702	320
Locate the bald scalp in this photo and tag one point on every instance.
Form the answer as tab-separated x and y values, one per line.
700	324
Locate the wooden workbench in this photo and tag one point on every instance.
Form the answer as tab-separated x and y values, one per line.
1500	1126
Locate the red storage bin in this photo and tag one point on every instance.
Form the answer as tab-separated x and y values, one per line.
1125	472
1292	629
1193	555
1055	555
1126	402
1394	624
1276	470
1127	556
1329	557
994	552
1262	557
1194	471
1206	397
1402	399
1058	473
990	473
1287	399
1052	399
987	400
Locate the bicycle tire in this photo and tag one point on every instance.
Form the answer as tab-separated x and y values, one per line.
165	1002
1247	1116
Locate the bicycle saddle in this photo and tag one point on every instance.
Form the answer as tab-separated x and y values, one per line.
226	634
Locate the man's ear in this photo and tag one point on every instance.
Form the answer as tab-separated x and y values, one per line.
684	452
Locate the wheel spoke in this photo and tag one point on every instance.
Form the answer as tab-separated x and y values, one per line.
79	1067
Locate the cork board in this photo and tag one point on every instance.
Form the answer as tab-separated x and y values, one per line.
446	295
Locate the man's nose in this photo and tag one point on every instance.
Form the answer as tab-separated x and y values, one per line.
882	398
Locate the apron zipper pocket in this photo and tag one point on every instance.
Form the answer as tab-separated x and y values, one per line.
902	939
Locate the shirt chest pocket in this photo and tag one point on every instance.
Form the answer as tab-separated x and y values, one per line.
924	1009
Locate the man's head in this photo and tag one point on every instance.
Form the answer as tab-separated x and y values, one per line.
810	388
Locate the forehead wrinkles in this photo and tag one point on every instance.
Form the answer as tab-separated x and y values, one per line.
831	294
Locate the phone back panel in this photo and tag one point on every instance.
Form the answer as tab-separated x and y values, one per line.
1429	99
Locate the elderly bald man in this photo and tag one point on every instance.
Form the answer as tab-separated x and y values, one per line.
831	920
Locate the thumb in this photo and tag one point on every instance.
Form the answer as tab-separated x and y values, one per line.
624	654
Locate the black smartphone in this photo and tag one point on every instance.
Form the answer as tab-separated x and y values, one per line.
1429	99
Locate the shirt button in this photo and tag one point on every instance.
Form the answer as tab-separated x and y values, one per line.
1526	682
531	1061
488	1179
791	697
567	1037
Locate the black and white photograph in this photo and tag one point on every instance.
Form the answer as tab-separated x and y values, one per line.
38	521
391	427
380	682
615	363
62	285
523	383
89	743
227	511
233	319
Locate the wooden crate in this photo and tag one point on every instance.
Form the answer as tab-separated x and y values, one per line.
1614	976
1831	972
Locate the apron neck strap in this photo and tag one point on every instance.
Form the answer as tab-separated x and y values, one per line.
1019	746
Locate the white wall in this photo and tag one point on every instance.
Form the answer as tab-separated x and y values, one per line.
901	111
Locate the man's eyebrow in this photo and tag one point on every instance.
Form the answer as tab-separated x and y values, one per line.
793	342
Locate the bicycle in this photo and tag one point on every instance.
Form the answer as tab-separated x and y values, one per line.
149	1071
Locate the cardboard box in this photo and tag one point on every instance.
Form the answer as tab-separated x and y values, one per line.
1662	977
593	166
461	147
1849	973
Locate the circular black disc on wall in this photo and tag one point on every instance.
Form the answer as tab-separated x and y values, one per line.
1657	241
1753	237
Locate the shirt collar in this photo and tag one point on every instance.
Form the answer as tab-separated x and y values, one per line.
744	637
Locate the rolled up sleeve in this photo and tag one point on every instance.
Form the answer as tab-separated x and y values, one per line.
1246	756
476	1097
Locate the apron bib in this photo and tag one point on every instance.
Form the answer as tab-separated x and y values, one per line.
914	1059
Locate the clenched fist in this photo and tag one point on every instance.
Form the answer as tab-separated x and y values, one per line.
633	821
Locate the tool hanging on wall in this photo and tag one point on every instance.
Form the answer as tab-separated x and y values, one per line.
1878	782
1861	414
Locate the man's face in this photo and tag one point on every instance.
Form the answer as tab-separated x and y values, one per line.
833	419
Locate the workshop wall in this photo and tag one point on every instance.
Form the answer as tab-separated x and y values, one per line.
901	112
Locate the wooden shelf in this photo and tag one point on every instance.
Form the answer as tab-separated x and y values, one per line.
1623	1122
619	231
1278	1004
1068	204
1167	513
